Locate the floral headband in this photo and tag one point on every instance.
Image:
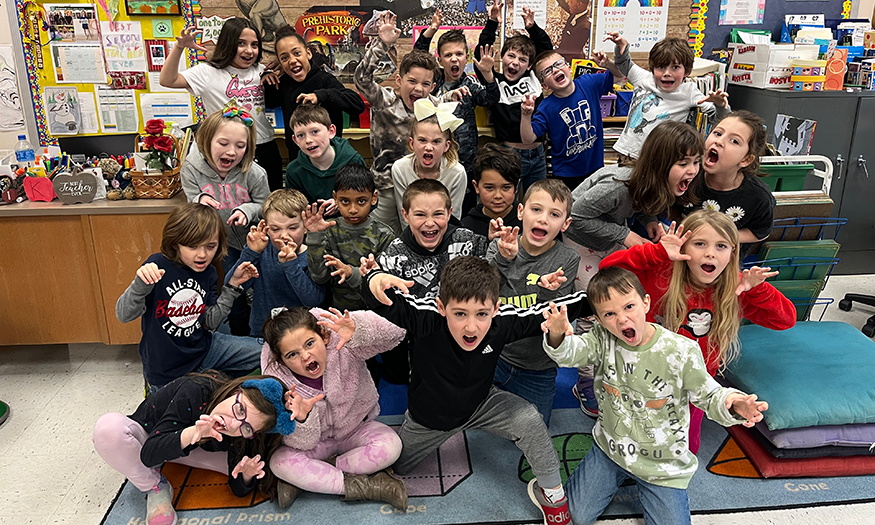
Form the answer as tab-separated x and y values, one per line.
234	111
423	108
272	390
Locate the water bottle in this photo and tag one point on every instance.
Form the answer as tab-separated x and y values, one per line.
24	151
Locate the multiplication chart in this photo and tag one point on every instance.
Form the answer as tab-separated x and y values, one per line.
642	23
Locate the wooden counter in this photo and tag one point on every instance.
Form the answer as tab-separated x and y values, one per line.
62	267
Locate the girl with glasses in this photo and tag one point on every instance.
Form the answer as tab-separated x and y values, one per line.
200	420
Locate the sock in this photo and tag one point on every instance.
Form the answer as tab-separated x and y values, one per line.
554	496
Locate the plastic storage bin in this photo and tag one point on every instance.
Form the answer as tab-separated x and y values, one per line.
785	177
623	103
607	104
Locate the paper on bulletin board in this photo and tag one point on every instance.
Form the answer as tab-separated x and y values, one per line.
642	23
118	110
742	12
169	107
123	46
62	110
11	116
78	63
538	6
88	113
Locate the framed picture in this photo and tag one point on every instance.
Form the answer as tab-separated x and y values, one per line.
153	7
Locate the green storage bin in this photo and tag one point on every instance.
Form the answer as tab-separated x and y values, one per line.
802	294
785	177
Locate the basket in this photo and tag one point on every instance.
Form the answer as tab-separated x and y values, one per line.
160	186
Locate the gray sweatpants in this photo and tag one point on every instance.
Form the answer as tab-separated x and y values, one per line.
503	414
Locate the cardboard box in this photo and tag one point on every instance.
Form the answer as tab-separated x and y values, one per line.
767	65
869	40
836	67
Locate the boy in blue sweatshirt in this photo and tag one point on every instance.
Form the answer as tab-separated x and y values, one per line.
276	248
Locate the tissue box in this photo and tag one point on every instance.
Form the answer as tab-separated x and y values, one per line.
808	75
767	65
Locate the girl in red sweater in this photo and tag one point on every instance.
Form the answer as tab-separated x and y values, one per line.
693	295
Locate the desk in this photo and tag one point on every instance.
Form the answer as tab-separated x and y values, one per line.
62	267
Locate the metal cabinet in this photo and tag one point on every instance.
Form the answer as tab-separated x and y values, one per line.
845	133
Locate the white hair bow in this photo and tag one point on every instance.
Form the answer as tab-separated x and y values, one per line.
276	311
423	108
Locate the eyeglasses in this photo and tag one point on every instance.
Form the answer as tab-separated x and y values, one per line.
549	70
239	412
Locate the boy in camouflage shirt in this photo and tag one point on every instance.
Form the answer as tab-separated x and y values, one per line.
335	250
391	112
645	379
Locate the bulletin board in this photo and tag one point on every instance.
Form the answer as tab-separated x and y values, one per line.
52	83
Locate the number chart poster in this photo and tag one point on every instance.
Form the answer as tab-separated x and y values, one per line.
642	22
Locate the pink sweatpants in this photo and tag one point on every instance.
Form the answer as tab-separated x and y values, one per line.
371	448
119	439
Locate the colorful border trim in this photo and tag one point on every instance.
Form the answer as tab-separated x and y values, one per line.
696	35
191	10
45	139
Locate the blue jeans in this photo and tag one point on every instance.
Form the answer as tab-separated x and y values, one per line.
535	386
595	481
534	167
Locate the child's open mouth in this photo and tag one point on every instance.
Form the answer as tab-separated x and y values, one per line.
413	99
201	264
708	268
455	70
312	149
539	234
312	367
512	71
629	334
297	69
667	83
220	425
684	184
429	235
427	158
470	340
226	163
559	78
711	157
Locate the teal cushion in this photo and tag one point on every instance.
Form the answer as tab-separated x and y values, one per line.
812	374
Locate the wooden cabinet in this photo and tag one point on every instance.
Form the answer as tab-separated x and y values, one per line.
63	267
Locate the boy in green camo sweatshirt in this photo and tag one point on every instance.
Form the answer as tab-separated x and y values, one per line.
645	379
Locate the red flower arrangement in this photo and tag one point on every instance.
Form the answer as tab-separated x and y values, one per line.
159	145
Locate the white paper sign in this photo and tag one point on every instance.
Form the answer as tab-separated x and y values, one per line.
211	27
169	107
538	6
88	113
118	110
123	46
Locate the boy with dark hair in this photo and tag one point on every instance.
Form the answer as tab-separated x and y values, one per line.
661	93
391	110
452	50
458	337
515	82
571	115
275	248
533	267
496	175
645	379
322	154
335	250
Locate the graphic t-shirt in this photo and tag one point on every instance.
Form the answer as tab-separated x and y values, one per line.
218	86
574	124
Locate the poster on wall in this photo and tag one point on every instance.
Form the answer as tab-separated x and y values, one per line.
117	109
643	24
742	12
123	46
62	110
568	23
72	22
78	63
11	116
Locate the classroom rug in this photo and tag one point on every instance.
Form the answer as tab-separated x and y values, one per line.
478	478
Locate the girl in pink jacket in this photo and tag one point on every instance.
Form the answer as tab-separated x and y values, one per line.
334	402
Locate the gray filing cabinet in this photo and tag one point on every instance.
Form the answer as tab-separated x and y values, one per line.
845	133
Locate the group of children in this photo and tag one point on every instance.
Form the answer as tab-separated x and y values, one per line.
471	303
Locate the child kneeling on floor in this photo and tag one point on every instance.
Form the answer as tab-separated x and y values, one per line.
645	379
334	402
200	420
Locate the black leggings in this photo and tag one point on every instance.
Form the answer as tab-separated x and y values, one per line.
268	157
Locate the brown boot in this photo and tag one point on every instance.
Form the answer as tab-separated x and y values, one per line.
286	493
382	486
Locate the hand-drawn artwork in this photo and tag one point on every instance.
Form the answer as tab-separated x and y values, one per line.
62	106
11	116
793	135
265	15
153	7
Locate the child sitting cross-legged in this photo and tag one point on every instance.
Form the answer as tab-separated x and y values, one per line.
645	378
457	338
276	249
496	174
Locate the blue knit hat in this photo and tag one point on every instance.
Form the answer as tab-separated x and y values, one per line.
272	390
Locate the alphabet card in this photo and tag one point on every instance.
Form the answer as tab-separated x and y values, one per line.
123	46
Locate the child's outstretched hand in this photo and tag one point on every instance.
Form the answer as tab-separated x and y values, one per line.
204	429
655	231
437	20
368	264
753	277
496	226
313	217
340	268
672	241
270	78
556	323
508	242
528	105
495	10
389	33
243	273
528	15
552	281
186	38
618	41
330	205
380	283
718	98
747	407
289	252
257	239
343	324
250	468
459	93
206	200
307	98
299	405
487	59
149	273
238	218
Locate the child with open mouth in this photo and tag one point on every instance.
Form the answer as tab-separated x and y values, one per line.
692	277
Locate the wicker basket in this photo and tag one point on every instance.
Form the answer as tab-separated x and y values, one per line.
160	186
